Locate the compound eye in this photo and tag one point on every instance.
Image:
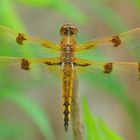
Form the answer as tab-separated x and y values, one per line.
63	30
68	29
76	31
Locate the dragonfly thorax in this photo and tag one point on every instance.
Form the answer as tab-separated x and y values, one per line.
67	54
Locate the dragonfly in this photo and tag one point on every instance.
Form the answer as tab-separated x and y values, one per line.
67	60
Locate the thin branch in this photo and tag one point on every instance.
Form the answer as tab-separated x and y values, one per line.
76	116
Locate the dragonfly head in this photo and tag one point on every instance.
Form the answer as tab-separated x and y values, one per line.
68	29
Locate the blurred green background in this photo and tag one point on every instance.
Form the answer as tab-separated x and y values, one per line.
30	103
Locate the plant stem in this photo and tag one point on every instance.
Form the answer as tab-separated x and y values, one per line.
76	116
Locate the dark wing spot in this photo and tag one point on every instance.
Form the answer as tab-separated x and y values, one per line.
108	68
81	65
20	38
116	40
51	64
25	64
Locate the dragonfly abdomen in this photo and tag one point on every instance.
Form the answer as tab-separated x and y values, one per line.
67	86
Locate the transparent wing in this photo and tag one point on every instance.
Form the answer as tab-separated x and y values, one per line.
108	69
117	46
115	40
47	67
15	39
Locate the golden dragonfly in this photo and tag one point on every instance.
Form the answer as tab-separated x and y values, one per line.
67	60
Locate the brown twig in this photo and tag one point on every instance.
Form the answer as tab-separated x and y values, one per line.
76	116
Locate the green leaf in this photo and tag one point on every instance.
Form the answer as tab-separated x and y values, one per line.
32	109
37	2
96	128
108	16
9	15
136	3
65	7
11	130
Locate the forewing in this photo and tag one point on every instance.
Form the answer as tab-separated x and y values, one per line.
17	41
120	46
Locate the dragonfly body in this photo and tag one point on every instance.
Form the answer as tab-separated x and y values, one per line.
68	44
67	60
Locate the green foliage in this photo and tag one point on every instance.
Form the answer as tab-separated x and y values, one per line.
96	129
137	4
10	130
31	108
65	7
108	16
